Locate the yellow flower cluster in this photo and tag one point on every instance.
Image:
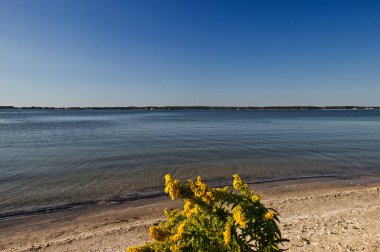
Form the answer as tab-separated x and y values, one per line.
172	186
180	231
186	207
227	232
175	248
190	209
224	189
255	198
143	248
269	215
239	216
134	249
201	190
157	234
166	211
238	183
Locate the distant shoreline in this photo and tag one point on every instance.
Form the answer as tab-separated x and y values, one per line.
203	108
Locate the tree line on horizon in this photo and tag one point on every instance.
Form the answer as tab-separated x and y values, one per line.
200	108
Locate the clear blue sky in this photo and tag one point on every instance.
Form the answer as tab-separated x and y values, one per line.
121	53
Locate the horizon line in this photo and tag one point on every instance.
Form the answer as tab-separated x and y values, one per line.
178	107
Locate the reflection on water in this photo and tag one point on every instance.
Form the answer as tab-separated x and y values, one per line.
51	157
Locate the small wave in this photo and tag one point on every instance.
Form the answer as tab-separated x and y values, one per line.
78	205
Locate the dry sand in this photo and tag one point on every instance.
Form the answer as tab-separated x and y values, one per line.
319	215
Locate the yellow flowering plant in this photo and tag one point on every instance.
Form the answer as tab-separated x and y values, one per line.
214	219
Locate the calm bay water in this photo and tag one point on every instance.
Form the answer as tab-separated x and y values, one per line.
55	157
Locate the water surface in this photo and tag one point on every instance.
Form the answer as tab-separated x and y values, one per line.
54	157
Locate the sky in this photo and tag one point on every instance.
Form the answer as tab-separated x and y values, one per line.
215	53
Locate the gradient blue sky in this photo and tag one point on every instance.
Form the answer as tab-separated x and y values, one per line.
121	53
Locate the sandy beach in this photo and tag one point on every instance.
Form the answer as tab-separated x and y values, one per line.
316	215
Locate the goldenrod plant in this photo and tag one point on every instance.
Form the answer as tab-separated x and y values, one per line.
214	219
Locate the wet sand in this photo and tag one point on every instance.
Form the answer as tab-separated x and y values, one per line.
316	215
